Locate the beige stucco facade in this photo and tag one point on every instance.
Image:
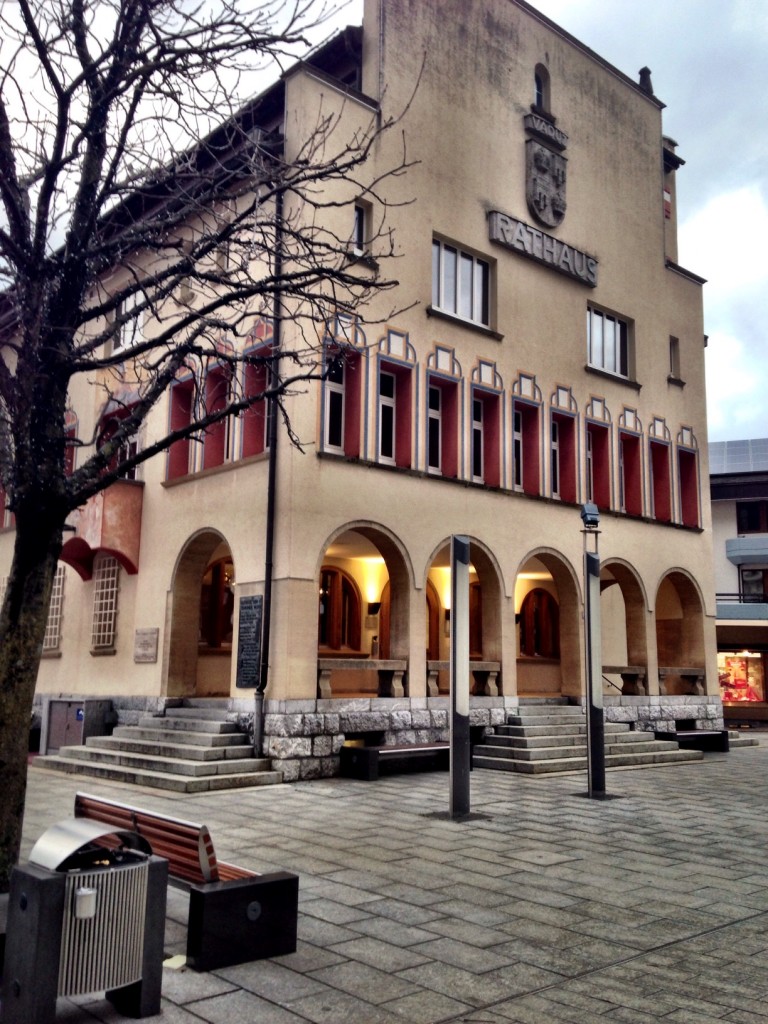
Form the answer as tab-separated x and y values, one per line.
521	399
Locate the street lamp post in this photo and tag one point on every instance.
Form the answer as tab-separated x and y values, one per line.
590	517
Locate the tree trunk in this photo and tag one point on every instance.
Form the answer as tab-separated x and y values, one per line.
22	626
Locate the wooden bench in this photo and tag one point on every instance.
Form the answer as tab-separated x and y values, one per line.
484	673
391	674
366	762
235	915
698	739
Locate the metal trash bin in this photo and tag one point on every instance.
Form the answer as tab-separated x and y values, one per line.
86	914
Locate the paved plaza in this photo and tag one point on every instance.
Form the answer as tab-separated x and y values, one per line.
543	907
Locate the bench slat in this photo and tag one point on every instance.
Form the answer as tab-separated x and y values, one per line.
187	846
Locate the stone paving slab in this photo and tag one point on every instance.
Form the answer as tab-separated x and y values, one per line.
545	908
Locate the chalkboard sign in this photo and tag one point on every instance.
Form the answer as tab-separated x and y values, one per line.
249	641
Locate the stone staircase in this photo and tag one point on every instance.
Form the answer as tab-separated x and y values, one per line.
547	738
191	749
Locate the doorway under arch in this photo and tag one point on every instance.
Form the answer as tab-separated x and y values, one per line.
547	614
202	606
363	611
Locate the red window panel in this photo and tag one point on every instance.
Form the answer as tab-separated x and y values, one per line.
564	457
689	487
660	483
254	418
599	465
491	436
216	441
631	475
182	404
527	448
443	436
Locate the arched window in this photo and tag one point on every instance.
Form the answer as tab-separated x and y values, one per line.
339	611
541	99
539	625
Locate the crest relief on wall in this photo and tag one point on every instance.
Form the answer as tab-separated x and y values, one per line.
545	170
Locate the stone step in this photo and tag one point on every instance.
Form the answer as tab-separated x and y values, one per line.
159	780
566	739
531	720
557	730
201	713
203	739
172	765
570	764
736	738
538	753
183	724
158	746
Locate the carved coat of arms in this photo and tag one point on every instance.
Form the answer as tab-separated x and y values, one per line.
545	183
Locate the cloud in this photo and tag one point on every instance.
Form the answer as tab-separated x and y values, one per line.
736	389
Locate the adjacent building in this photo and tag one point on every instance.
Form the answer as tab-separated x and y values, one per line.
739	485
549	353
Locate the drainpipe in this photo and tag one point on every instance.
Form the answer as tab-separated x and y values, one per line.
272	433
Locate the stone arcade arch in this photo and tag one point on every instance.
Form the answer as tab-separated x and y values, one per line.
624	627
200	659
485	627
547	570
380	580
679	612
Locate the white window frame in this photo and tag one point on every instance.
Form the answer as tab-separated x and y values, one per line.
461	283
388	408
334	389
106	589
477	440
52	638
554	442
517	449
434	422
608	342
131	332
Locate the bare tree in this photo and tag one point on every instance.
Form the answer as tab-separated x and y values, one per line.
149	221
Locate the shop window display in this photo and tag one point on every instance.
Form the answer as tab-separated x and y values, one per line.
742	676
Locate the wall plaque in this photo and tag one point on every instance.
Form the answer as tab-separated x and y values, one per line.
145	645
249	641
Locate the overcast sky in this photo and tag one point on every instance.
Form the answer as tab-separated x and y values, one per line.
709	60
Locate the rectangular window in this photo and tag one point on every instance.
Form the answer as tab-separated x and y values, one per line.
341	404
360	230
106	583
131	327
753	585
689	487
630	475
434	431
607	342
752	516
598	465
52	637
674	358
661	491
387	417
563	457
477	440
460	283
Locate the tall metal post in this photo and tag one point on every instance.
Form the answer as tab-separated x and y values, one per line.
459	677
594	659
